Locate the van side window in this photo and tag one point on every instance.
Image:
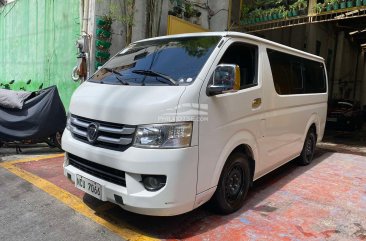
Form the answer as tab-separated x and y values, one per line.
296	75
246	57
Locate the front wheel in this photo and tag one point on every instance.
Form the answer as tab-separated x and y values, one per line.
233	185
308	149
55	140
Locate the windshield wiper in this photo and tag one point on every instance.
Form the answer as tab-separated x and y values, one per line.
115	74
153	73
113	71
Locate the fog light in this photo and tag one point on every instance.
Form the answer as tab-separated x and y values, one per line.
153	183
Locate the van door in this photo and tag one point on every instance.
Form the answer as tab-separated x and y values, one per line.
294	84
232	118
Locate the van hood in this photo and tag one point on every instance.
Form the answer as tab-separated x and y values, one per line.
131	105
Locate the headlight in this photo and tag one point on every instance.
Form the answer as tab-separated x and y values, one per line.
68	121
175	135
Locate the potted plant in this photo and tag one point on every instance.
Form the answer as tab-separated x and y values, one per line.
301	6
342	4
293	10
285	14
335	4
270	13
280	11
250	17
244	12
265	15
196	13
328	5
244	15
104	22
289	13
349	3
318	8
261	15
188	10
177	11
274	14
256	13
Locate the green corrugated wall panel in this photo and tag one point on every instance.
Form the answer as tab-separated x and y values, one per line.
37	42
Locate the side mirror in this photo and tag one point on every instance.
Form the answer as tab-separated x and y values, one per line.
225	78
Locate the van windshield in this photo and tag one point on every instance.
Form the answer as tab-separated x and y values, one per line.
173	61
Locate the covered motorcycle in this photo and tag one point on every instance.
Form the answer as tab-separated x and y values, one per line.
31	116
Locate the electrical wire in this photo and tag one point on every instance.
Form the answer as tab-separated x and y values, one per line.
15	2
222	9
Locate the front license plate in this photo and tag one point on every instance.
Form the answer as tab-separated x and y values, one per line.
89	186
332	119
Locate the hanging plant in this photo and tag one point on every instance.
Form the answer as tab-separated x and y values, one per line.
104	22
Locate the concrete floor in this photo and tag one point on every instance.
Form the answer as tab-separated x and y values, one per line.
345	141
326	200
28	213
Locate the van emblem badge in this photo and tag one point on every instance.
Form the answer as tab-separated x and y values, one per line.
92	132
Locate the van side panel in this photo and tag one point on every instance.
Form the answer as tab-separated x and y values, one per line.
287	120
275	132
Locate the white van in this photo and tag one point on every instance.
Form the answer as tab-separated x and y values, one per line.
170	123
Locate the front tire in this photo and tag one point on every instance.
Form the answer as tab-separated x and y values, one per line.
308	150
233	185
55	140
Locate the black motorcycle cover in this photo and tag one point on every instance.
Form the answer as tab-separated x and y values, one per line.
42	115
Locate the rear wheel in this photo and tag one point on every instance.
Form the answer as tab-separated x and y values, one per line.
233	184
308	149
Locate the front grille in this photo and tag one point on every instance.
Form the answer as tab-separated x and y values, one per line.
110	135
103	172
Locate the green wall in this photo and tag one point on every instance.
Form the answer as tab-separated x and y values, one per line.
37	42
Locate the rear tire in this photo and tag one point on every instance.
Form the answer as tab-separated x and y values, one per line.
233	184
308	150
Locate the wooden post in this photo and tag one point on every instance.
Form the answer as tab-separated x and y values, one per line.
311	5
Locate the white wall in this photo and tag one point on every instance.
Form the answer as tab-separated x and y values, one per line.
219	22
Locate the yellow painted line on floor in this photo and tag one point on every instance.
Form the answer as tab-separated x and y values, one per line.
70	200
39	158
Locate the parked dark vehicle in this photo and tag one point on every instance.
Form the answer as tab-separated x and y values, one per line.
31	117
344	115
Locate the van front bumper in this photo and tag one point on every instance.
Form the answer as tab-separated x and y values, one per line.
178	165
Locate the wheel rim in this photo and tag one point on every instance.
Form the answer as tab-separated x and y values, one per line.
309	148
234	184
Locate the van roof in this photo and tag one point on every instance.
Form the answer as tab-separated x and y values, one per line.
238	35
